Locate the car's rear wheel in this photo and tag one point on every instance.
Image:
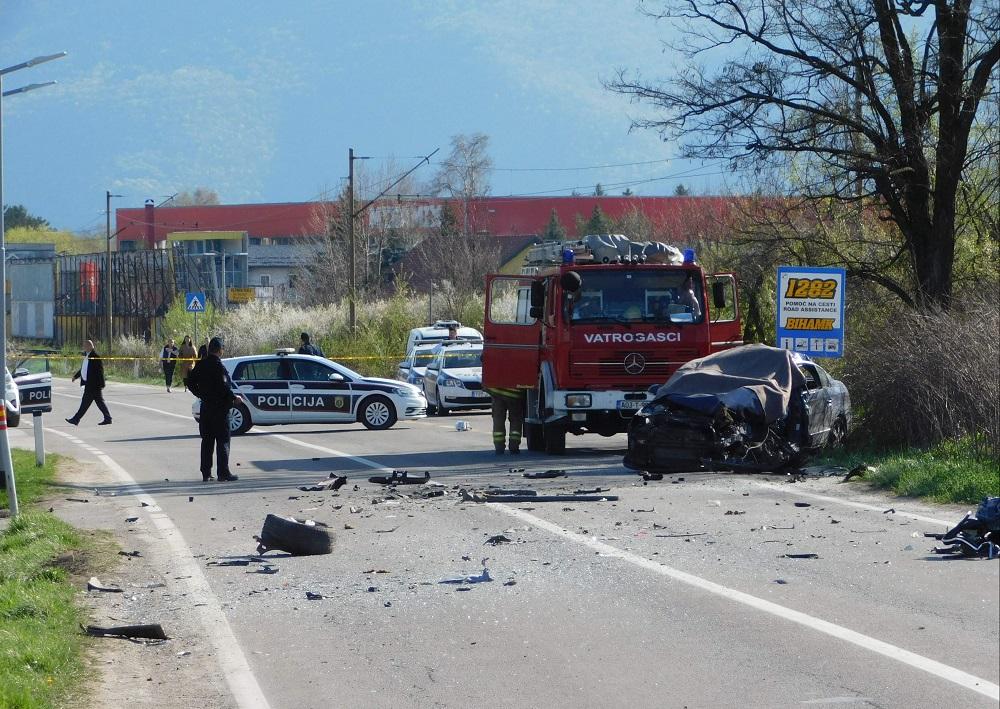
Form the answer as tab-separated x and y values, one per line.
837	434
378	413
13	420
239	419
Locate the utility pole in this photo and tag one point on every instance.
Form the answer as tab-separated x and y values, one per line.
353	316
107	273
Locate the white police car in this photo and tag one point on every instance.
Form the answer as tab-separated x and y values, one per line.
454	378
285	388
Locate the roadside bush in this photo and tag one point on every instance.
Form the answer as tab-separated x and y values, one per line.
922	377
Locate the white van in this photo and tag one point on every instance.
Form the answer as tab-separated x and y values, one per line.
438	332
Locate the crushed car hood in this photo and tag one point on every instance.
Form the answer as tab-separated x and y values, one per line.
755	380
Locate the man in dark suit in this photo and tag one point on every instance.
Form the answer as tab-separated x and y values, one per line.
210	382
91	376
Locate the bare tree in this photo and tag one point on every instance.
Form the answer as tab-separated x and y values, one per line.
200	196
457	264
840	95
465	173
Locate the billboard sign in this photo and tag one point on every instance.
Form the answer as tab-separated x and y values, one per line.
811	310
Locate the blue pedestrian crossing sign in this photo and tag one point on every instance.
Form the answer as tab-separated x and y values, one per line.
194	301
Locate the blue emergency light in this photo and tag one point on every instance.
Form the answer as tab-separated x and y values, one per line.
689	256
568	257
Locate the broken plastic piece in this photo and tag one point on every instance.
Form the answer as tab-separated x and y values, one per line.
498	539
94	584
546	474
400	477
150	631
296	538
332	483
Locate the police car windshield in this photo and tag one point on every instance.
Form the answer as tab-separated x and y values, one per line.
461	359
634	296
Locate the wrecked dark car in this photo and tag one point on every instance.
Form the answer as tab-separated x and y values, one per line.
752	408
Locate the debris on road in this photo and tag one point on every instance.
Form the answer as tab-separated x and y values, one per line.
685	534
400	477
387	531
295	537
484	577
498	539
266	569
334	482
130	554
310	596
857	471
490	497
131	519
594	491
801	556
94	584
151	631
802	504
977	535
77	499
735	512
504	491
647	476
229	562
547	474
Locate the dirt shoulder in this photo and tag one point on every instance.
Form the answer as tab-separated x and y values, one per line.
178	673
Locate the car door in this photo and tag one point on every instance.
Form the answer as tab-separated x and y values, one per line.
263	385
318	392
431	376
818	405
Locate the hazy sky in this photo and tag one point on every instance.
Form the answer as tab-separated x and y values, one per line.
260	101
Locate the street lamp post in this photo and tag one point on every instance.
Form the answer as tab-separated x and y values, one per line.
107	275
5	460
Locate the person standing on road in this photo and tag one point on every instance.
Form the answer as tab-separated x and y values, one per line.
507	404
168	358
91	376
210	382
188	355
308	348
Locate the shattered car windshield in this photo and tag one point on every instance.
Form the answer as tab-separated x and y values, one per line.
625	296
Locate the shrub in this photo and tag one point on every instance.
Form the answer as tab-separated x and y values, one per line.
922	377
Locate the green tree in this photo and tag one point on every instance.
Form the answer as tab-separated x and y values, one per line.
17	215
598	190
598	222
63	241
200	196
882	102
627	192
680	190
554	230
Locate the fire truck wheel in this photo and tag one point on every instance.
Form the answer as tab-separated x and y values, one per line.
536	439
555	439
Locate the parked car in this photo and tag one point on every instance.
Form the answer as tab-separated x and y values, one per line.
411	370
438	332
285	388
753	408
454	378
12	401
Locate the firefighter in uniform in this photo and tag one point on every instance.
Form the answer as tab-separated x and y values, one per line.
507	404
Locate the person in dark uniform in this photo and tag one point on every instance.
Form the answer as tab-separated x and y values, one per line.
307	347
168	359
507	404
203	349
91	376
210	382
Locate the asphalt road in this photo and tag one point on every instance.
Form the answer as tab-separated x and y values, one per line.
679	594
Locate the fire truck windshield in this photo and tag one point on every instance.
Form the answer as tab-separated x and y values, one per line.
636	296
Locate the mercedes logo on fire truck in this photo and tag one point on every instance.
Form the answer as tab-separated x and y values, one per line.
635	363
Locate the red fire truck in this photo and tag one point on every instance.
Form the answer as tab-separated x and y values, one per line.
591	325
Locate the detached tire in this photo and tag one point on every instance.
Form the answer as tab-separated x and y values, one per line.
239	419
296	538
377	414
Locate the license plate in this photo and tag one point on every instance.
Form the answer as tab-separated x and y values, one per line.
631	405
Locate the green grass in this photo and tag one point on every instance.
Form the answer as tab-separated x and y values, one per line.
42	652
41	647
33	482
952	471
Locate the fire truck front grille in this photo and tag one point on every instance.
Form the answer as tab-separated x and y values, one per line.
618	364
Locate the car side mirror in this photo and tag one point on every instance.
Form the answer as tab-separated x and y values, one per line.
403	365
336	377
537	295
21	372
535	311
719	294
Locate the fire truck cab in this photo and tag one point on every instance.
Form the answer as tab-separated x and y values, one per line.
587	330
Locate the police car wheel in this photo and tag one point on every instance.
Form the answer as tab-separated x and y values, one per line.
13	420
239	420
378	413
440	409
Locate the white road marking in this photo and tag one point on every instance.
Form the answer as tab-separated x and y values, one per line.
860	505
137	406
912	659
951	674
234	665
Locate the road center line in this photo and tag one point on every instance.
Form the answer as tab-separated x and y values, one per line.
867	642
242	683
